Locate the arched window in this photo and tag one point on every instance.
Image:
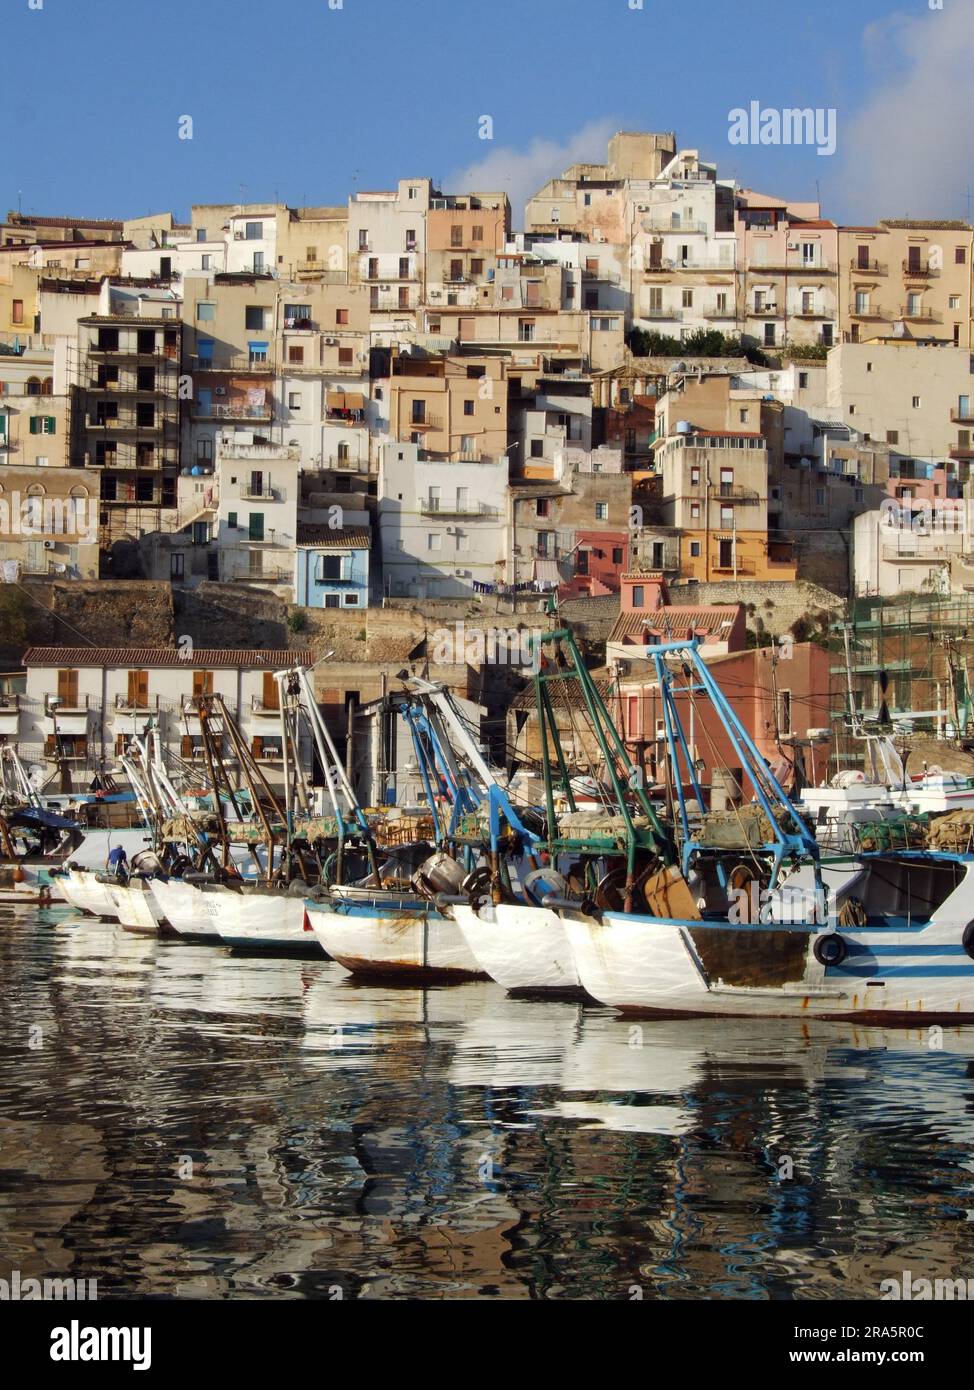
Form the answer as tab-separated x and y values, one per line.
79	491
47	386
33	386
36	490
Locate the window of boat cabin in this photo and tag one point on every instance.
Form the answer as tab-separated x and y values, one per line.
67	688
139	689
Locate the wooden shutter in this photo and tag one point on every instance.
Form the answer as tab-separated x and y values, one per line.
139	689
50	747
67	688
258	748
186	746
202	682
272	692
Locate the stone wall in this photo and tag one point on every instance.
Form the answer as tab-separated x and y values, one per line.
79	613
772	607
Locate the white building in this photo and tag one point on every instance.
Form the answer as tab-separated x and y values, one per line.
443	524
83	704
258	487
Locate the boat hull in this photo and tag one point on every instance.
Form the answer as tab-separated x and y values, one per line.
261	921
523	948
186	909
644	965
399	937
84	890
138	910
26	883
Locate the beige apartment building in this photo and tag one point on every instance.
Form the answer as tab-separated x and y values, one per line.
913	273
465	236
789	254
48	519
593	199
312	245
917	399
451	407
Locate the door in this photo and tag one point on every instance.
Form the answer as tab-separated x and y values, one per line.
256	484
202	683
139	689
272	692
67	689
726	557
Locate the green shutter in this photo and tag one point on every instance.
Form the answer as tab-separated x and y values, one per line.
232	520
256	526
51	423
35	422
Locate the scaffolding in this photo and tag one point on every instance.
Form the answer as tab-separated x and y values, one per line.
902	666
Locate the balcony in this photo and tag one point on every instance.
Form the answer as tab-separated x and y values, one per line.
661	228
265	493
241	362
428	422
262	709
741	567
233	410
345	465
137	704
317	270
869	267
301	326
54	704
470	510
962	453
958	419
660	314
920	315
714	314
868	312
894	554
730	492
266	576
920	268
346	417
767	311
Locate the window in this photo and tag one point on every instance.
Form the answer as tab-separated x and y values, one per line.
694	511
688	299
411	234
294	400
345	356
205	311
916	402
953	301
256	526
258	353
254	317
403	296
784	712
601	511
695	549
434	541
802	381
200	233
468	407
862	302
46	424
254	231
555	215
341	316
478	233
295	352
769	335
744	414
403	267
541	506
17	314
960	255
617	554
537	448
892	436
138	689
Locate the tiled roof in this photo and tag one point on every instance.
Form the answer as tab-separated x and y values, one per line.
323	537
675	622
137	658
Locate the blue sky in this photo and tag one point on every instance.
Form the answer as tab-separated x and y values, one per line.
294	101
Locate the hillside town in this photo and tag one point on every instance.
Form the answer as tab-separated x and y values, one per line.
652	401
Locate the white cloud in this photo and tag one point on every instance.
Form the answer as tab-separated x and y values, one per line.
520	173
907	151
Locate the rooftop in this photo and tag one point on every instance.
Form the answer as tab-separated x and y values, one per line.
199	659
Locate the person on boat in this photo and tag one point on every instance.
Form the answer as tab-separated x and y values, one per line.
118	862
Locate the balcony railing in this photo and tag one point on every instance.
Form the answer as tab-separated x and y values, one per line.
54	704
265	493
920	268
345	417
920	315
869	267
233	410
741	567
241	362
651	224
958	419
136	703
428	422
731	492
675	315
472	510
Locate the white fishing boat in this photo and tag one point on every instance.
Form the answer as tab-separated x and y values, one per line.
137	908
83	889
522	947
185	908
902	950
376	932
257	918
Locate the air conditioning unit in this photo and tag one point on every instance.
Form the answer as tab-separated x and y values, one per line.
50	545
330	342
219	390
385	287
793	246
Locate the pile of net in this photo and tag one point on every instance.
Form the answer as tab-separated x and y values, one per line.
953	832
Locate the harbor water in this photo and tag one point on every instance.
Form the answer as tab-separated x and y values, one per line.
179	1122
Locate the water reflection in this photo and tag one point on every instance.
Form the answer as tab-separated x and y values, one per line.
189	1123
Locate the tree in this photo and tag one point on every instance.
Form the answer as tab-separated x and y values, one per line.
13	616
